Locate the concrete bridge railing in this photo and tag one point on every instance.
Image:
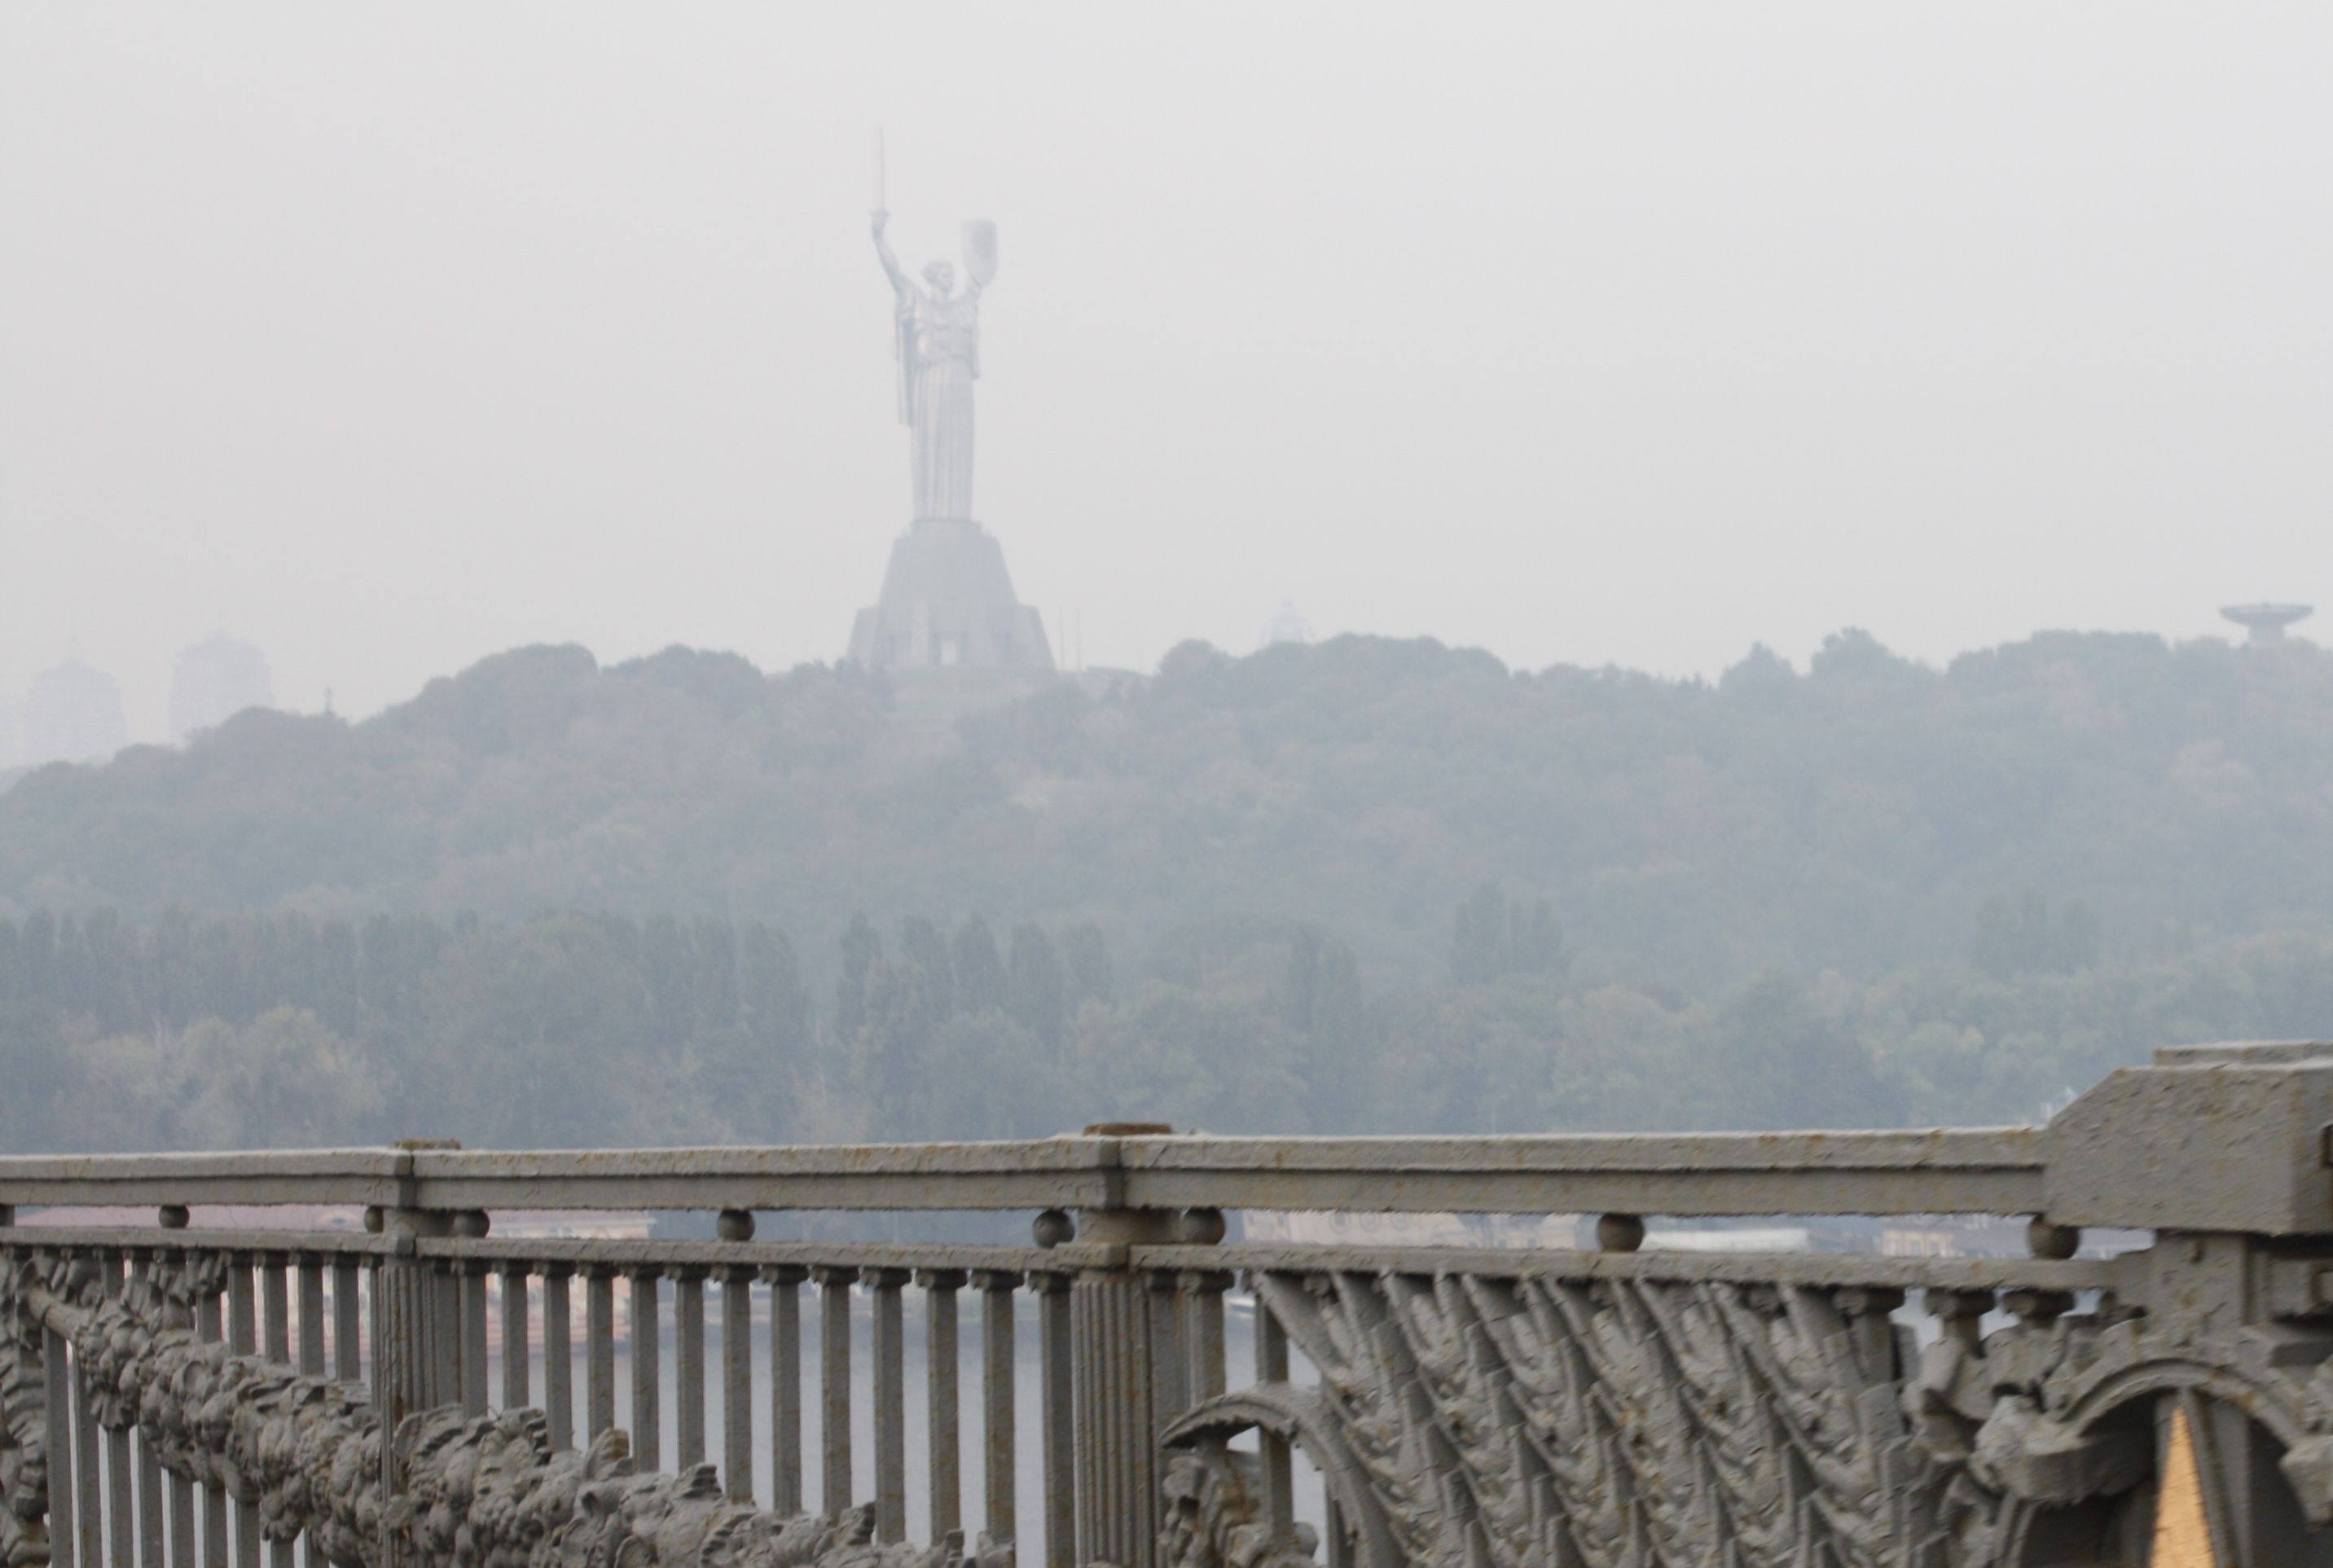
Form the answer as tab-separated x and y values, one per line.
444	1385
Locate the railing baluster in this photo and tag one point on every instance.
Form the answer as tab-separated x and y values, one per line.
1058	1393
149	1463
65	1528
517	1350
243	1339
275	1321
214	1499
1169	1389
599	1349
648	1382
1871	1329
1272	1367
834	1386
445	1349
312	1315
312	1356
1203	1312
942	1420
997	1457
688	1348
121	1513
737	1382
178	1495
786	1388
473	1273
558	1356
890	1405
274	1308
348	1322
89	1476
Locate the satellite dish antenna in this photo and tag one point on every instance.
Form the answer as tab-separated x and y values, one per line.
2266	623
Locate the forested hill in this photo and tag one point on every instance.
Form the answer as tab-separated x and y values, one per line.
2027	806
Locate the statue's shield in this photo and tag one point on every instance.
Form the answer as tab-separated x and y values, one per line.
980	252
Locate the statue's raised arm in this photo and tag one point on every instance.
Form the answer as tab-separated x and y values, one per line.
900	281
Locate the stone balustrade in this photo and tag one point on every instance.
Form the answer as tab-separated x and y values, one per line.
433	1387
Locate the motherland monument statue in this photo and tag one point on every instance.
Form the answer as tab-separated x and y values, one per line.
947	600
938	349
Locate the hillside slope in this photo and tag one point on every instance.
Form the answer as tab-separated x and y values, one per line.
1868	814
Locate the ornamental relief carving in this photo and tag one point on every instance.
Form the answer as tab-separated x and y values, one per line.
1458	1420
481	1491
24	1435
1652	1424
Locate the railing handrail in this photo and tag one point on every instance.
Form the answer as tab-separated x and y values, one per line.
1963	1170
1958	1170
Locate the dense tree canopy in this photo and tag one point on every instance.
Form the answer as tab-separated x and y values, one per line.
571	1029
1364	885
1860	817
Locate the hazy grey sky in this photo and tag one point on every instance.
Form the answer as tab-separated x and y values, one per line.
388	336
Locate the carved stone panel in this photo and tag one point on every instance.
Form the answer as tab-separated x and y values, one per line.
481	1491
1645	1423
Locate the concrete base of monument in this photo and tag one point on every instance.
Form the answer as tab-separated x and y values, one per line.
948	603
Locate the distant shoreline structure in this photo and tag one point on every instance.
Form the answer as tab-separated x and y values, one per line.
2266	623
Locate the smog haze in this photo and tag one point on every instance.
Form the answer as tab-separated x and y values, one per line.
388	337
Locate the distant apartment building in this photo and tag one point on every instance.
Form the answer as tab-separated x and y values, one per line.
73	714
216	680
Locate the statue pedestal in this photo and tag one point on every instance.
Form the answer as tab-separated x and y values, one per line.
947	601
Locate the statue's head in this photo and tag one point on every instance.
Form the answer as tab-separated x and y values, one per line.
941	276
